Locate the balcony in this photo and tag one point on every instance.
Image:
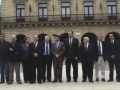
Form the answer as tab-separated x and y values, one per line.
50	19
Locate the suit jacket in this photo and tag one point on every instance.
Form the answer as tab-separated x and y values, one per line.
50	46
60	51
103	50
71	52
87	56
13	57
39	50
4	50
113	49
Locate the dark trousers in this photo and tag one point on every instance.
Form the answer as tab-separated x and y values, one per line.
113	62
75	69
35	64
87	69
57	69
4	67
26	69
46	62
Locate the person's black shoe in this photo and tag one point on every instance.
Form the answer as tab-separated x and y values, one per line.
97	79
10	82
49	80
40	82
103	80
25	81
118	80
75	81
2	82
91	81
60	81
54	81
110	80
43	81
68	80
32	82
83	80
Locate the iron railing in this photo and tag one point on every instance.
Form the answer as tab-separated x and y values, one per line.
57	18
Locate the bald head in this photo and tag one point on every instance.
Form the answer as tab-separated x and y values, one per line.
85	40
14	38
35	38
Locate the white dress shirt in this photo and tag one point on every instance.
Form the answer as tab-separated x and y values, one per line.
36	43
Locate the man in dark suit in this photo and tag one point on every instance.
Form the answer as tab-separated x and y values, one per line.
58	49
71	56
87	57
4	67
47	59
15	51
35	50
113	50
100	52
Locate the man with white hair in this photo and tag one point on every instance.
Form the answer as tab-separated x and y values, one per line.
15	50
87	58
100	49
47	59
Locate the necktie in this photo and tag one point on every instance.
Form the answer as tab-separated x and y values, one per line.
99	48
35	45
70	42
57	45
13	44
47	48
86	47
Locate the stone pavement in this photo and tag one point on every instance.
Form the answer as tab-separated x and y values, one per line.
66	86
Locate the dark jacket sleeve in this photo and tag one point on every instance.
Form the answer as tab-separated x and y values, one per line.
65	48
30	49
77	47
80	53
41	49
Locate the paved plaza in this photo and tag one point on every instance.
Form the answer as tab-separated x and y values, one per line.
66	86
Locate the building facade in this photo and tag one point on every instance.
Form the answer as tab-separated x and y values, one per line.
84	17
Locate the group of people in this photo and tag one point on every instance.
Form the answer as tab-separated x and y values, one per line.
37	58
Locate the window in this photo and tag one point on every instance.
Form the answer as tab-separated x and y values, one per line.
112	10
65	8
20	13
43	12
88	10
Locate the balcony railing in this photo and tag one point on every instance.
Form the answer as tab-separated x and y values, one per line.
57	18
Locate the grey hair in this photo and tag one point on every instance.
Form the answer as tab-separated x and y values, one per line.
86	38
99	34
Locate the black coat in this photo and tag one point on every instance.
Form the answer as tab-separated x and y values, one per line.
87	56
113	49
39	50
103	50
4	54
71	52
13	57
